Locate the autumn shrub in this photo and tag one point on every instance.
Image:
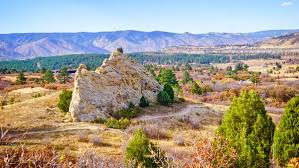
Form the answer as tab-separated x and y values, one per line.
64	100
49	157
24	157
179	140
53	86
293	162
219	76
248	130
280	93
286	137
229	94
206	88
216	153
154	132
117	123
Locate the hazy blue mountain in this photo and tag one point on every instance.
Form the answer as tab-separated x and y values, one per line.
29	45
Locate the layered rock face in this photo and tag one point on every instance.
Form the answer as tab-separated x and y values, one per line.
119	81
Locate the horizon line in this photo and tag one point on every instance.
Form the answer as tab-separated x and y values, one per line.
132	30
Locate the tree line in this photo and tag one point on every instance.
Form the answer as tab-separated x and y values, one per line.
92	61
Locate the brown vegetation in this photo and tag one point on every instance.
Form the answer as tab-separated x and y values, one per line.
213	154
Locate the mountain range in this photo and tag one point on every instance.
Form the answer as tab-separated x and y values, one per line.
30	45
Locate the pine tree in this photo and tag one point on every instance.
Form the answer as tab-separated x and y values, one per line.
43	70
163	98
138	150
186	77
188	67
238	67
286	137
167	76
48	77
21	79
249	130
120	50
168	89
63	75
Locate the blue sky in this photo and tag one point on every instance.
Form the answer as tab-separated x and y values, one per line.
194	16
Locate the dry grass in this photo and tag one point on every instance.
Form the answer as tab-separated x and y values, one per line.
44	124
31	114
50	157
23	157
152	131
96	140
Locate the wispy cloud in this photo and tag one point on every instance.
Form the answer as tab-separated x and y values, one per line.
286	3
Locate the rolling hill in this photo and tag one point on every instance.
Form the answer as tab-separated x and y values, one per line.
287	41
30	45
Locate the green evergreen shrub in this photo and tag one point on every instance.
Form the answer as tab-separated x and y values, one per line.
169	90
286	137
186	78
249	130
143	102
196	89
129	112
163	98
138	151
167	76
117	123
131	105
64	100
48	77
188	67
21	79
63	75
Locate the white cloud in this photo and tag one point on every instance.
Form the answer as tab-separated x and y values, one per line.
286	3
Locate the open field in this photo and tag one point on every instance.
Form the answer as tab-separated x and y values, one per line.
39	122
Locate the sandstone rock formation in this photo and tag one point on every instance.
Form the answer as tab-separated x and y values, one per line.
111	87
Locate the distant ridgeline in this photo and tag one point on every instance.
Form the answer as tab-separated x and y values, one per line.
94	60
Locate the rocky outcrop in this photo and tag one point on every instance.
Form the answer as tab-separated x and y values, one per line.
111	87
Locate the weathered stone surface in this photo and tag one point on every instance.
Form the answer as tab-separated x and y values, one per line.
111	87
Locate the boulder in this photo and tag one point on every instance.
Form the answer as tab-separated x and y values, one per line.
119	81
